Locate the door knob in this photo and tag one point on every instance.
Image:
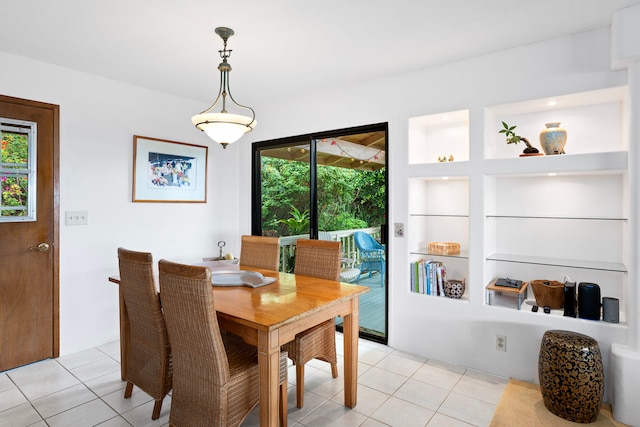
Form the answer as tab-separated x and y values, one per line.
42	247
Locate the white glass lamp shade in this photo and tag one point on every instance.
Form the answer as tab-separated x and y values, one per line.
224	128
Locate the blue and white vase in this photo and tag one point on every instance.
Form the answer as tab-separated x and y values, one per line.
553	139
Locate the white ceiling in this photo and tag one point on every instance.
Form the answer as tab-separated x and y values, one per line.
280	46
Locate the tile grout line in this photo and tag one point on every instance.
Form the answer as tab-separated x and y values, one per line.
86	386
118	414
448	395
27	399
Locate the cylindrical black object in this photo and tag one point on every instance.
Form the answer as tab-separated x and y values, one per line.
571	375
611	310
589	301
570	299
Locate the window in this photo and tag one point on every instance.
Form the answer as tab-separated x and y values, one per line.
17	171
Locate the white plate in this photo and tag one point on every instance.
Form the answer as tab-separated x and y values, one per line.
252	279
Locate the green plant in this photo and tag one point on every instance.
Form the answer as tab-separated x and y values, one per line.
298	223
347	198
513	138
13	189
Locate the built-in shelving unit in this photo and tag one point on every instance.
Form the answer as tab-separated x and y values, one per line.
545	217
439	190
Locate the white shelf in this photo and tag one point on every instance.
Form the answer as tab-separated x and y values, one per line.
557	217
440	215
444	299
559	262
530	302
562	164
425	252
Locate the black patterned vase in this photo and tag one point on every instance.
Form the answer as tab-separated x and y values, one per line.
571	375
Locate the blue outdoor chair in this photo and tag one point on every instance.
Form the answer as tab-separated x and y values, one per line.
371	254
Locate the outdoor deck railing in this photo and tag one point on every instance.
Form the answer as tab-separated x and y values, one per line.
349	250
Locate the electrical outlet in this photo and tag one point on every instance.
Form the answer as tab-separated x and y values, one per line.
399	229
501	342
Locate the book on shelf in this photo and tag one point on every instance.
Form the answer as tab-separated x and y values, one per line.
440	272
427	277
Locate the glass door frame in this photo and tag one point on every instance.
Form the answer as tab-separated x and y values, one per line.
311	139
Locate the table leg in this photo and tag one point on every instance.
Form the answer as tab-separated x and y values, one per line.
269	366
350	332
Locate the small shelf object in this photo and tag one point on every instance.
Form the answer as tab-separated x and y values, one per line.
520	294
443	248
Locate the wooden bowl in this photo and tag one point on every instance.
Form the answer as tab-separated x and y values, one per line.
548	293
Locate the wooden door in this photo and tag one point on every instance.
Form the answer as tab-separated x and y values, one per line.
29	324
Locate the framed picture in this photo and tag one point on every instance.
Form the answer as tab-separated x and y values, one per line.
169	171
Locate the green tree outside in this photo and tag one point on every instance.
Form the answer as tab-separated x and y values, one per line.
347	198
14	189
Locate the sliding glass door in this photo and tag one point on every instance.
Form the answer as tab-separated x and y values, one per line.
330	185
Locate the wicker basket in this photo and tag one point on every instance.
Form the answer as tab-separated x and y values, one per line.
548	293
443	248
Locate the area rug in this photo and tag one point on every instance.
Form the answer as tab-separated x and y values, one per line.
521	405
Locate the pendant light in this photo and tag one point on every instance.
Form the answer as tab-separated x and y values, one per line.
224	127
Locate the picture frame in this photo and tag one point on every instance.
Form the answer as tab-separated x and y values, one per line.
168	171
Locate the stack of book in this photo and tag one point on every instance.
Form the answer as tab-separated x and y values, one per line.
428	277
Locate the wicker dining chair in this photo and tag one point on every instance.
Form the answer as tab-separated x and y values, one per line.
322	259
149	350
260	252
216	380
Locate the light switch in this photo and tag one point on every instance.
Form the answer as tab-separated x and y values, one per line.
76	218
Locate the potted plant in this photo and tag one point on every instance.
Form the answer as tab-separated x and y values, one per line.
512	138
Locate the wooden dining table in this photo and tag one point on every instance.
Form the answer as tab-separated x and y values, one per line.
270	316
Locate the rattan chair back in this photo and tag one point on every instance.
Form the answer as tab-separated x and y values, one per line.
149	365
318	258
216	381
260	252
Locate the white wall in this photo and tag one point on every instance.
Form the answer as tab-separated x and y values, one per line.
447	330
98	118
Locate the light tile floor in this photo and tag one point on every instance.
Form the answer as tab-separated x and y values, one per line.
394	389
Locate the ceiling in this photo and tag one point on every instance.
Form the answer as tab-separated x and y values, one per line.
281	47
